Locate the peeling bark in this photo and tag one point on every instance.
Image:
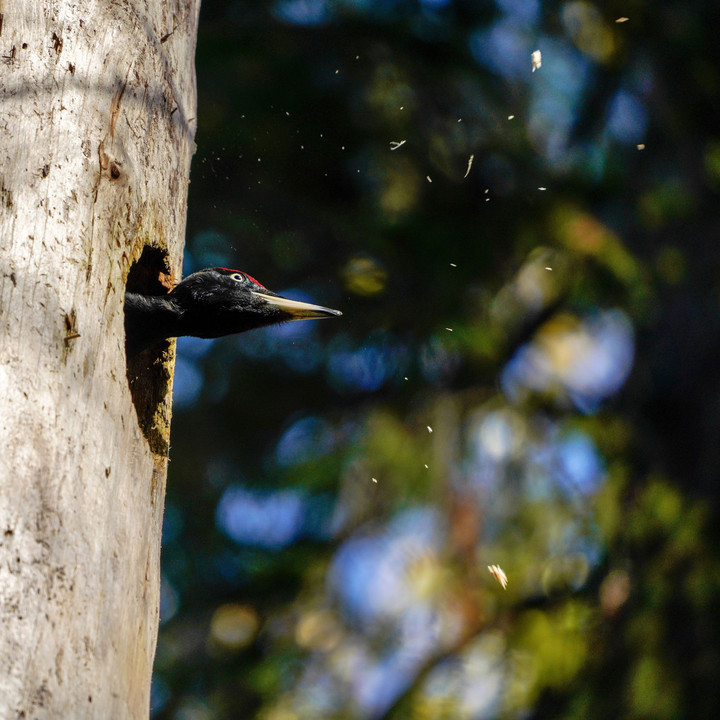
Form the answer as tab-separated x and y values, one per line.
97	119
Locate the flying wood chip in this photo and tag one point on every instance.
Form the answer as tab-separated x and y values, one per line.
470	160
536	58
497	572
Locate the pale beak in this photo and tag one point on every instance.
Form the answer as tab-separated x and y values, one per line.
298	310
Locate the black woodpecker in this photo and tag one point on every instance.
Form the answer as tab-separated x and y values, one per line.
209	304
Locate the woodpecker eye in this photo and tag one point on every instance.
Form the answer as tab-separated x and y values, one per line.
239	277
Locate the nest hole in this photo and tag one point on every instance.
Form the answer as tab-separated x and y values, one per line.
149	373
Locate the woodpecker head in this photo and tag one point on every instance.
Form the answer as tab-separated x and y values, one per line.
220	301
208	304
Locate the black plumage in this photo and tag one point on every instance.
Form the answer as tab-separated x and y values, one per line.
209	304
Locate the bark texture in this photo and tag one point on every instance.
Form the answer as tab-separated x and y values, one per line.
97	118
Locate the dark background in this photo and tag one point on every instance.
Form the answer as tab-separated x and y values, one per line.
525	373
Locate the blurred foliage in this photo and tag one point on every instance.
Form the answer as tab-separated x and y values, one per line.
525	373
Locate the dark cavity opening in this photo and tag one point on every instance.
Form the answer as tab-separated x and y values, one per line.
149	372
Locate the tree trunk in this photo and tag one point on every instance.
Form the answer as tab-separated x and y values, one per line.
97	121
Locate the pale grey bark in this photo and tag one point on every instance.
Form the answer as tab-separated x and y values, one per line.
97	118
